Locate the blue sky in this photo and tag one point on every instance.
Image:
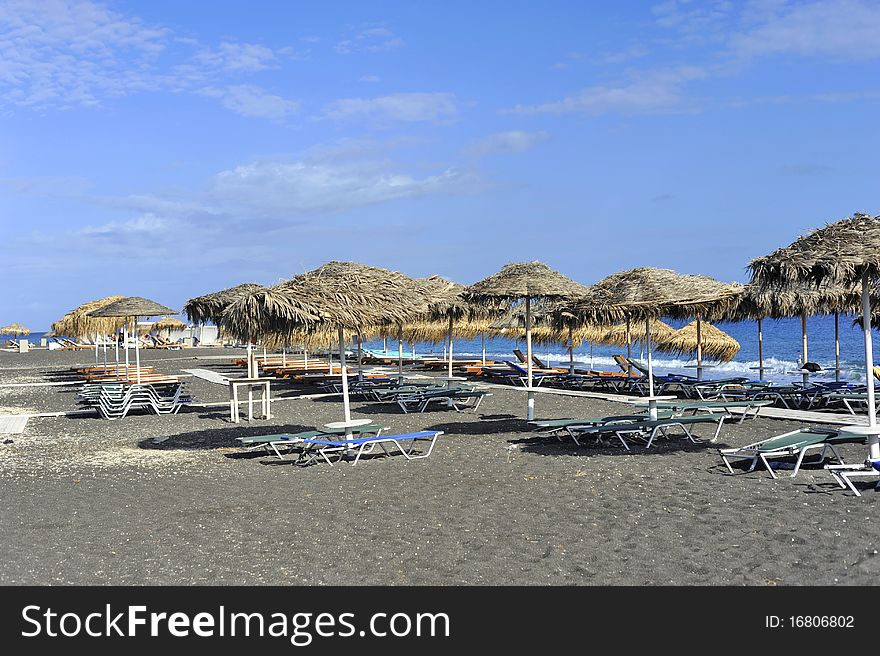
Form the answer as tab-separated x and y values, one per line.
169	149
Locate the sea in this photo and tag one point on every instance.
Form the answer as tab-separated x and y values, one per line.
782	350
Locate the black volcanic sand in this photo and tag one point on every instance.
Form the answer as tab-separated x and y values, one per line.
90	501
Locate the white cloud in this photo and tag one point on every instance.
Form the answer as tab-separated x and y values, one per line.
370	39
281	190
839	29
658	91
409	107
370	78
238	57
254	102
58	54
513	141
146	223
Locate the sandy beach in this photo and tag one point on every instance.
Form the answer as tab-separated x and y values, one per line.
91	501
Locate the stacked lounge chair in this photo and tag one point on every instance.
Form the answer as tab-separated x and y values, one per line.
115	400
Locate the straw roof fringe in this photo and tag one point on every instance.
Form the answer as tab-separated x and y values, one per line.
15	329
132	306
661	333
210	307
521	280
759	302
169	323
349	294
648	292
80	323
837	254
716	344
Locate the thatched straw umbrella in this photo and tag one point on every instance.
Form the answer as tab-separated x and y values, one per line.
710	341
168	324
622	334
79	323
15	329
758	303
132	306
344	295
525	281
210	307
845	253
647	293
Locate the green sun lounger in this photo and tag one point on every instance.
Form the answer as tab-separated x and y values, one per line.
650	429
289	440
753	405
553	426
794	444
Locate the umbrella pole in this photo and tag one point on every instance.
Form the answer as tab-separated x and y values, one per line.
450	346
570	351
384	343
483	341
760	351
345	405
652	403
837	347
400	350
699	349
125	337
629	369
105	354
137	351
284	356
591	355
530	413
873	443
360	359
116	339
806	374
96	349
305	357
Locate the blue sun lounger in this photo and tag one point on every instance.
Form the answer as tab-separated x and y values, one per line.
315	448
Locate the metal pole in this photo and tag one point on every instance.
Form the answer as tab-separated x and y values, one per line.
345	405
449	333
837	347
873	443
699	349
591	354
629	369
125	337
652	404
570	351
360	358
137	351
96	349
400	350
530	413
483	340
806	374
760	351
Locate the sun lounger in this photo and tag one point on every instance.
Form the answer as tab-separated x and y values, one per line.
795	443
459	399
272	443
651	429
842	473
752	406
555	426
326	449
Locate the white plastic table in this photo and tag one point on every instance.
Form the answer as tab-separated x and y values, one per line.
347	425
265	385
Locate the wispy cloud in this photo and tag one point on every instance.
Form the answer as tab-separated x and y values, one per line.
407	107
60	54
504	143
657	91
371	38
838	29
238	57
252	101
